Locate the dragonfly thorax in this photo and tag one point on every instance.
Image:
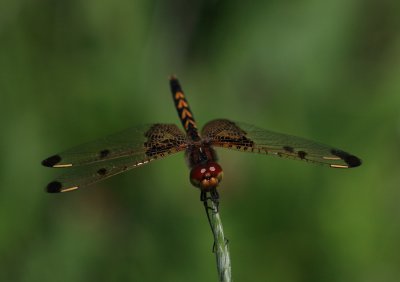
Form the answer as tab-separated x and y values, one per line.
206	176
199	153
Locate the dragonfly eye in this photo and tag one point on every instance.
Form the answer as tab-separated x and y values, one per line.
206	176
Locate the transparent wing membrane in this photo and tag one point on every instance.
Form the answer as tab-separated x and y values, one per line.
98	160
143	140
79	177
248	138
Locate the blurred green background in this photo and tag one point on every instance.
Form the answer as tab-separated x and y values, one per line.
73	71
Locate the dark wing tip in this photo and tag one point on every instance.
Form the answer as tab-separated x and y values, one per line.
54	187
51	161
351	161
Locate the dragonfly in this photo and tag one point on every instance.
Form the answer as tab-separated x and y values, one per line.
95	161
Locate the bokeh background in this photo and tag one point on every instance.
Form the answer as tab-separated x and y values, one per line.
73	71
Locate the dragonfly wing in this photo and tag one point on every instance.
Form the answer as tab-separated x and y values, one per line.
95	161
78	177
141	141
248	138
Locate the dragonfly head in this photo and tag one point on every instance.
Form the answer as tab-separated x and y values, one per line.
206	176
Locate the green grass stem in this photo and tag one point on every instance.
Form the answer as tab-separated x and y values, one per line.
220	247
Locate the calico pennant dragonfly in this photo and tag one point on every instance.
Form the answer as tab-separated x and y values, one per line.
95	161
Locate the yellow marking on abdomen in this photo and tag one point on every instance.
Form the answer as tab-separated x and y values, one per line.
182	104
179	95
331	158
191	122
185	113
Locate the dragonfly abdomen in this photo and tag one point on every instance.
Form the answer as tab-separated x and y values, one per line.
183	109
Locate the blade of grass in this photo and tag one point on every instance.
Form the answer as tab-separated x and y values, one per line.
220	247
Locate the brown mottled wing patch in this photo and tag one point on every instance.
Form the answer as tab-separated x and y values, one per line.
248	138
164	139
126	150
139	142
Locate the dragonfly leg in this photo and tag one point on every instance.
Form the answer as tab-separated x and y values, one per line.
214	194
226	241
215	198
207	208
203	196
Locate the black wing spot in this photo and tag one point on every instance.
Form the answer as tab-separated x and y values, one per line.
302	155
104	153
54	187
102	171
152	151
51	161
351	160
288	149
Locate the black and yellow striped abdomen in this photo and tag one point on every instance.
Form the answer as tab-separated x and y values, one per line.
184	112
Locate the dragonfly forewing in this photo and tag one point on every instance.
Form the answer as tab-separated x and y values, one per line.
98	160
144	140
